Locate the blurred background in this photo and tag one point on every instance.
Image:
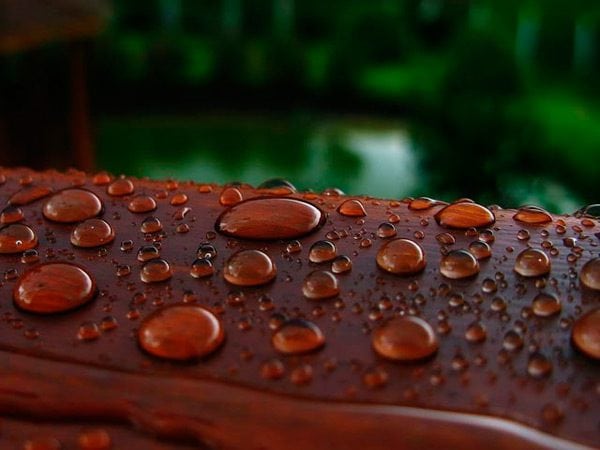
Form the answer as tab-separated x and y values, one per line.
497	101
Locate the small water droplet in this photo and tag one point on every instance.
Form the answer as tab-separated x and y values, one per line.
532	215
120	187
155	270
297	336
322	251
230	196
422	203
249	268
445	239
277	186
29	195
302	375
539	366
401	257
586	334
126	246
88	331
42	443
545	304
376	378
352	208
523	235
319	285
206	251
459	264
16	237
178	199
54	287
92	233
293	247
94	439
72	205
341	264
589	275
270	219
464	215
273	369
532	263
108	323
148	252
480	250
181	332
552	414
512	341
386	230
11	214
405	339
101	178
476	333
30	256
141	204
202	268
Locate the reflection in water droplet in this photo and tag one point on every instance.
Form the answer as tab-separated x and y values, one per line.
92	233
586	334
202	268
230	196
341	264
459	264
120	187
53	287
72	205
405	339
322	251
298	336
589	275
545	304
532	263
532	215
464	215
181	332
320	284
249	268
270	219
539	366
141	204
155	270
15	238
401	257
352	208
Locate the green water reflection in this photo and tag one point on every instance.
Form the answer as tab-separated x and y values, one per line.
379	157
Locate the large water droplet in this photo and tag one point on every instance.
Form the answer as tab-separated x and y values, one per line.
320	284
322	251
545	304
532	263
92	233
297	336
155	270
72	205
401	257
54	287
120	187
586	334
532	215
270	219
15	238
181	332
405	339
29	195
590	274
352	208
464	215
249	268
141	204
459	264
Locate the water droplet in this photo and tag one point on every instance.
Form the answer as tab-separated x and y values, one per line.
72	205
459	264
405	339
545	304
155	270
11	214
297	336
532	263
464	215
179	199
249	268
352	208
341	264
401	257
94	439
320	284
589	275
445	239
15	238
202	268
376	378
120	187
230	196
101	179
293	247
302	375
42	443
29	195
30	256
586	334
322	251
386	230
273	369
480	250
552	414
92	233
523	235
512	341
181	332
126	246
141	204
54	287
108	323
422	203
88	331
270	219
539	366
532	215
476	333
151	225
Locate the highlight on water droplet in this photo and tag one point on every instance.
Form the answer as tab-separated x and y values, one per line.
401	257
16	238
54	287
532	263
181	332
249	268
297	336
320	284
72	205
405	339
352	208
586	334
92	233
463	215
459	264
